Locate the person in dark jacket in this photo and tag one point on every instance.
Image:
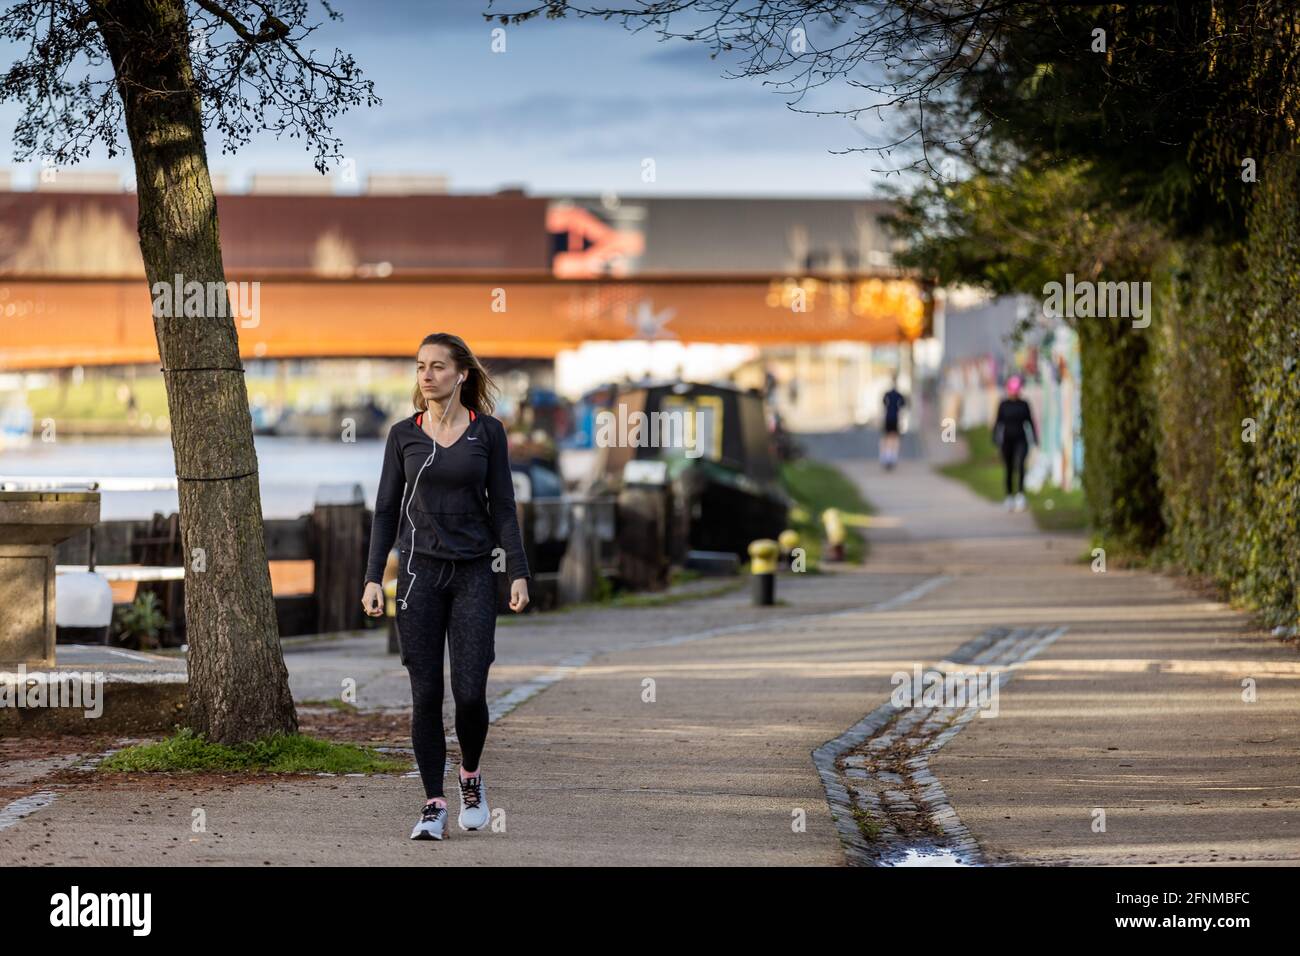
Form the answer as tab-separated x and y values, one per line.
1012	432
894	403
446	495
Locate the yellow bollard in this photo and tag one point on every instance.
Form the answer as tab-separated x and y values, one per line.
834	525
390	611
789	540
762	564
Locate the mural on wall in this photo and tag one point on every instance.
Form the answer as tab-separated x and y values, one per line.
971	386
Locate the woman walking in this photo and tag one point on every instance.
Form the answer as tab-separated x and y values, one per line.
447	497
1012	432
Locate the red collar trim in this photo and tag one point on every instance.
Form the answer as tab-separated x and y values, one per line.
419	416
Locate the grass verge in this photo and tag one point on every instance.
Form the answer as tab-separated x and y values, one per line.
816	486
346	706
283	753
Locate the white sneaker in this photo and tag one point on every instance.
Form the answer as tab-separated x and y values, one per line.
1020	502
1008	503
473	802
433	823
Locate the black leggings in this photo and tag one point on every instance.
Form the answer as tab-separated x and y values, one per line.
458	600
1013	458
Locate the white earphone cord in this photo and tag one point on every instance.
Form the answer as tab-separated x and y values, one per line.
414	486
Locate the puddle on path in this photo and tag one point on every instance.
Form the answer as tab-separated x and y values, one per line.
927	856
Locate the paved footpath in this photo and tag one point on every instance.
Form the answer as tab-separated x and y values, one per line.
712	732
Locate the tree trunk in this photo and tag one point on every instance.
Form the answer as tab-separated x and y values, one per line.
238	684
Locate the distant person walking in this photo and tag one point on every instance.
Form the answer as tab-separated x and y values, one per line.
447	495
889	439
1011	433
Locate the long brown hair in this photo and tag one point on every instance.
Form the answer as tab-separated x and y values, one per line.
478	391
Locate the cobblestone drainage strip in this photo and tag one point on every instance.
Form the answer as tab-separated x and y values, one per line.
888	807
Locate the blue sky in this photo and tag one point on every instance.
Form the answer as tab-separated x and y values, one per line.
573	105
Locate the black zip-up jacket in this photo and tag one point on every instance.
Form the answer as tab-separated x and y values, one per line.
463	501
1014	417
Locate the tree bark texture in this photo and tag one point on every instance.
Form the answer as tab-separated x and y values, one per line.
238	684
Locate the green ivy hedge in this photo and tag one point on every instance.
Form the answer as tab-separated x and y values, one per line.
1227	389
1119	433
1200	378
1272	345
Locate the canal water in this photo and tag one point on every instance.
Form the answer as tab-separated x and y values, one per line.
290	470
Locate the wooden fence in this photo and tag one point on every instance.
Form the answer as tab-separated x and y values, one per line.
570	543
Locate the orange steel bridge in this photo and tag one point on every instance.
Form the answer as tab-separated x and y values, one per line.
48	323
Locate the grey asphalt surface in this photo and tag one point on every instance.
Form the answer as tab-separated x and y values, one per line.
1137	711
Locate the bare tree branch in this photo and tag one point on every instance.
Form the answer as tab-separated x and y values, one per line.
250	63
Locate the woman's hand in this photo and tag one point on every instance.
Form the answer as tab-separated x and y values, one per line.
373	599
518	594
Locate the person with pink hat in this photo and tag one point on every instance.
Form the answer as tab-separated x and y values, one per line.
1011	433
